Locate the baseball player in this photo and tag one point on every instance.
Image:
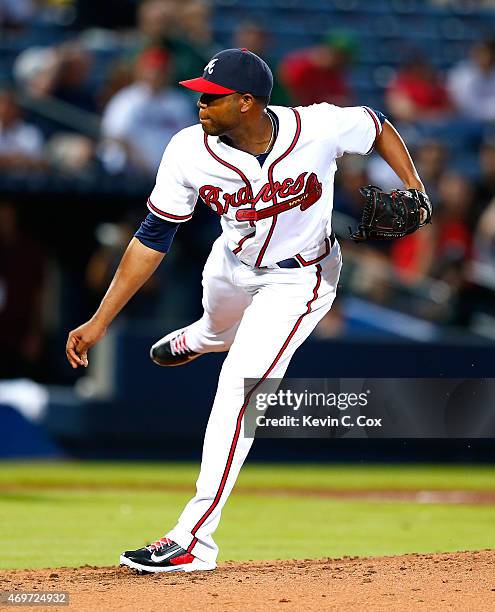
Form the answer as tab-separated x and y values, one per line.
268	173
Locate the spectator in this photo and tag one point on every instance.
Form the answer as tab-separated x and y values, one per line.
70	82
412	256
183	29
250	35
22	274
454	239
417	93
195	22
319	74
351	176
430	159
192	45
333	323
485	186
370	274
119	75
58	72
21	144
156	19
472	83
15	14
113	239
477	294
439	249
71	153
141	119
431	162
32	68
381	174
485	241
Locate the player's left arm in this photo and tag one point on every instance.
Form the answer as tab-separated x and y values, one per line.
392	148
361	129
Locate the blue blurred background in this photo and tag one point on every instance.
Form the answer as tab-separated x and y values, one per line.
88	101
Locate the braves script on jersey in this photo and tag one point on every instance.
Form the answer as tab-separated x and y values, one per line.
275	211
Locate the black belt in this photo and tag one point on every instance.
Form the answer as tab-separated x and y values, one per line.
294	262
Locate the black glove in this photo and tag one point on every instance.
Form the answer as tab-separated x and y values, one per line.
391	215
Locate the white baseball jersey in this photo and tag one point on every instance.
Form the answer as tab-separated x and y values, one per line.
272	212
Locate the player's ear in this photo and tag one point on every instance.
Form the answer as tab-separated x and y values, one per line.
246	102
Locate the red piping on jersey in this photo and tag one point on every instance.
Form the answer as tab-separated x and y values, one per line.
230	166
243	409
270	180
377	126
168	215
305	262
241	242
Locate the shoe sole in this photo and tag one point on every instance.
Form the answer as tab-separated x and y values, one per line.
166	339
176	365
196	566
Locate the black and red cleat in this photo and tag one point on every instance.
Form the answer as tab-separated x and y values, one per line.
164	555
172	350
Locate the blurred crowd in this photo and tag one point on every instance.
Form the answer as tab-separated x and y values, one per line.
447	270
95	94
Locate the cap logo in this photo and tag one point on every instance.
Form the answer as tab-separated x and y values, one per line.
210	65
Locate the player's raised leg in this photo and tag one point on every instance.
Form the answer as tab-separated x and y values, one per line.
223	303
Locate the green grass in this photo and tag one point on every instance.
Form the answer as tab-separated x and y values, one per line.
56	525
348	477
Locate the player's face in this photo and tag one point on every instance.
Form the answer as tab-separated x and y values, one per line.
219	113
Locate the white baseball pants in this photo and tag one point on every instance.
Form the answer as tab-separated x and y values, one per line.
261	316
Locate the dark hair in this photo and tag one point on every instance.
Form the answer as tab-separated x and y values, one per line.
8	89
486	43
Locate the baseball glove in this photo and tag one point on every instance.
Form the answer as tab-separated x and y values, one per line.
391	215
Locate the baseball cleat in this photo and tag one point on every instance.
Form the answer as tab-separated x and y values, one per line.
163	556
172	350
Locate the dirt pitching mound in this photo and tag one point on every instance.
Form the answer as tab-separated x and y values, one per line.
450	581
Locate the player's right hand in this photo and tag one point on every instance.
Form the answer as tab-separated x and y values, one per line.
80	340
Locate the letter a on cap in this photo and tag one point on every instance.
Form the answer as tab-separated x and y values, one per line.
210	65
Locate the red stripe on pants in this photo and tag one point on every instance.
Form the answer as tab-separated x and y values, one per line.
243	409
